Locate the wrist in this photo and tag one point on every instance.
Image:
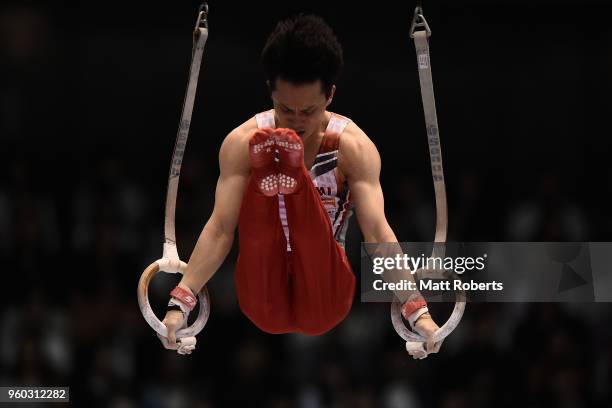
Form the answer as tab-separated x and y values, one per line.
412	305
172	306
425	315
175	304
183	296
187	286
417	315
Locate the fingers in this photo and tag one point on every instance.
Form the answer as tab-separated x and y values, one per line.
416	349
184	346
171	334
420	350
418	355
187	345
433	346
172	321
426	327
184	352
430	346
166	343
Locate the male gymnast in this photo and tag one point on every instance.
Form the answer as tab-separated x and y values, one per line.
289	180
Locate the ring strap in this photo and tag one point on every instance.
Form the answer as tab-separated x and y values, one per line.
435	153
200	35
433	137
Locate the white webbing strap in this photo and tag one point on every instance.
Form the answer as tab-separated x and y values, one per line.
414	341
433	138
200	35
170	261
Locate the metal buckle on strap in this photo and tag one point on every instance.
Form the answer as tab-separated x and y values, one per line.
202	21
418	21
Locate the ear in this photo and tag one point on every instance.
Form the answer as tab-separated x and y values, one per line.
331	95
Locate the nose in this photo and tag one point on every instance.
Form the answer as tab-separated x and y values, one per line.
296	122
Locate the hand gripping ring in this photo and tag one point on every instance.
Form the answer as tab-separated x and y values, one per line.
443	332
147	312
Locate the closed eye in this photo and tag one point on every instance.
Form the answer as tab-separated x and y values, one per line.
285	109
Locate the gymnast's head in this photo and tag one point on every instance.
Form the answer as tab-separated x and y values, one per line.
302	60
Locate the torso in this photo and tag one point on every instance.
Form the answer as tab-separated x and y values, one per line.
321	157
311	150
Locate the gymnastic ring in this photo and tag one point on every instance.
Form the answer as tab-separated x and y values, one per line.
440	334
149	315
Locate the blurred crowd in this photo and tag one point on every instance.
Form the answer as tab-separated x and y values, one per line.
79	221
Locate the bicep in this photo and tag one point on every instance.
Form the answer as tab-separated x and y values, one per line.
228	198
369	208
233	178
368	198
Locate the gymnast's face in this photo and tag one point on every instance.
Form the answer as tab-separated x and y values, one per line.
301	107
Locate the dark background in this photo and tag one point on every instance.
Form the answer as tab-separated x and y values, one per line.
90	97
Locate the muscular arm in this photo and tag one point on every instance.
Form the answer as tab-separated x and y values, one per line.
360	162
217	236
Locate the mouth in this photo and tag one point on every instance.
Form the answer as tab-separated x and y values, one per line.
300	133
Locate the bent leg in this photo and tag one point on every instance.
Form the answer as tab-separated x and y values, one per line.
262	285
309	289
323	284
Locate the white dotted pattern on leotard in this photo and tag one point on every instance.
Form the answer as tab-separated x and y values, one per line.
323	175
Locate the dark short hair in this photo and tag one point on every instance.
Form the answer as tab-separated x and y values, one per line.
303	49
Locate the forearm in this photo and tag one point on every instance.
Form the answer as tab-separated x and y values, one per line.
381	234
413	303
390	248
211	249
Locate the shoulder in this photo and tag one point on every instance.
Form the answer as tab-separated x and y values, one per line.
356	151
240	135
234	151
355	140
